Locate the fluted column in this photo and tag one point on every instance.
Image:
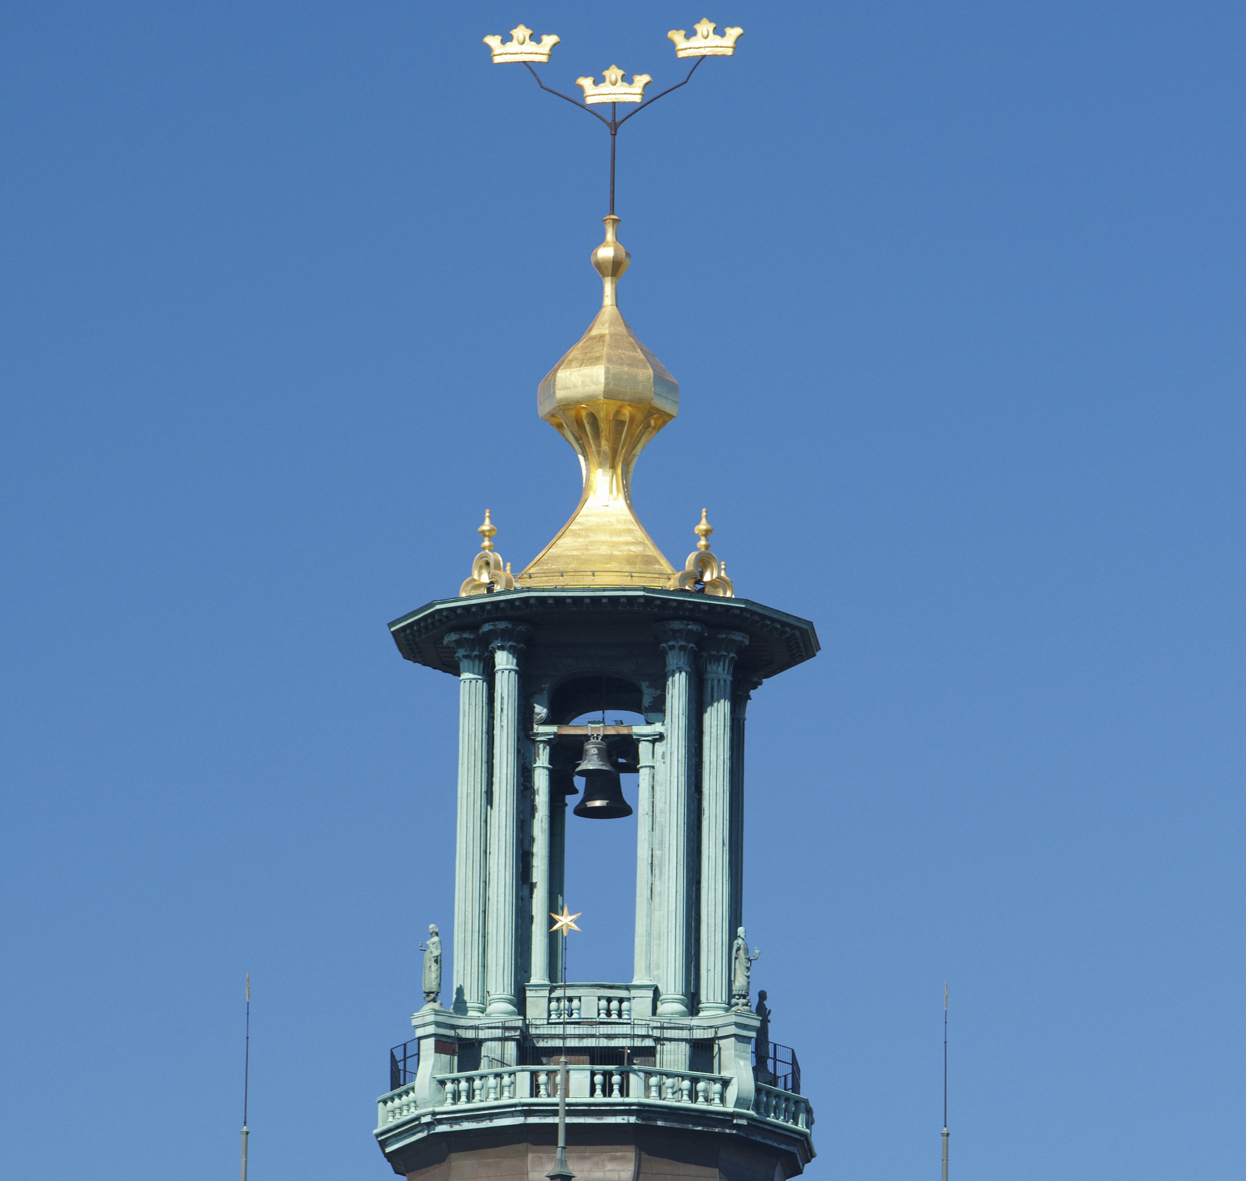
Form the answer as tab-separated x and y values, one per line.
506	643
643	970
678	641
741	692
469	857
557	868
540	863
718	654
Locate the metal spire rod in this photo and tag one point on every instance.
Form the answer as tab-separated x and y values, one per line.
246	1081
945	1080
614	122
561	1171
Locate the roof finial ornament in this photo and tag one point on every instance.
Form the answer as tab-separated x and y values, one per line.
487	531
705	42
520	48
613	90
703	573
703	531
611	259
489	572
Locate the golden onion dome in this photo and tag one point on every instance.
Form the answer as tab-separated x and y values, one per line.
608	396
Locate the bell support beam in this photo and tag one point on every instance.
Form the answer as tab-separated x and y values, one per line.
506	642
678	640
473	789
718	655
542	903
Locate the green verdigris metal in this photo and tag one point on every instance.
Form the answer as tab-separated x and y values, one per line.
670	1049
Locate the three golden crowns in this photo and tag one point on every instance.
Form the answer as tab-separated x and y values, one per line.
704	42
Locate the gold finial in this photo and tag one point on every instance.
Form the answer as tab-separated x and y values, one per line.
703	572
488	571
487	531
613	89
704	42
520	47
703	530
611	259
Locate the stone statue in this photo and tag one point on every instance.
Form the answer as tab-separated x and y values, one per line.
761	1053
741	970
432	966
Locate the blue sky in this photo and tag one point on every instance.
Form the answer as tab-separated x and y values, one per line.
953	292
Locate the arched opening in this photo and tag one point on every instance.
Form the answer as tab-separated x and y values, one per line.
600	855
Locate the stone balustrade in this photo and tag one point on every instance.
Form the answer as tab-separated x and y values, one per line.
527	1083
397	1105
783	1106
537	1086
582	1002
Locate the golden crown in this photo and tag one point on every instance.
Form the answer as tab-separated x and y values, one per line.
612	89
704	43
520	47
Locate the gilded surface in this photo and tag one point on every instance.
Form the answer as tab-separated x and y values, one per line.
488	571
704	42
703	571
607	397
613	89
521	47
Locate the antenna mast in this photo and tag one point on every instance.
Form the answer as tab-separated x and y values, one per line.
246	1081
944	1082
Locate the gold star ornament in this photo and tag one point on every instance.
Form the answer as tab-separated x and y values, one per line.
564	922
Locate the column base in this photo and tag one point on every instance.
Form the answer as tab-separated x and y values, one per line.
501	1004
712	1008
673	1004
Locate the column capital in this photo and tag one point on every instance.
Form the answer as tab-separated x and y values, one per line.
467	645
678	639
719	649
742	689
505	638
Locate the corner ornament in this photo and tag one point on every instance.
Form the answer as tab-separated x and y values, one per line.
488	572
704	573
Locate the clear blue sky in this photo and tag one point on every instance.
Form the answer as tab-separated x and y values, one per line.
954	295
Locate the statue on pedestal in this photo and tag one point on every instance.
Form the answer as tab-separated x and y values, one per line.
741	970
432	966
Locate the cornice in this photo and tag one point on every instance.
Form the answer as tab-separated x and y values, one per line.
777	640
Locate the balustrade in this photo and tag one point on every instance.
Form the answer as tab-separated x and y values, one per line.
602	1084
398	1105
783	1106
586	1004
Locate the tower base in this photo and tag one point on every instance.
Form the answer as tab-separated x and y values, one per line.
614	1153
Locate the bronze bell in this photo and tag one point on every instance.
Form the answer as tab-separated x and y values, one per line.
603	793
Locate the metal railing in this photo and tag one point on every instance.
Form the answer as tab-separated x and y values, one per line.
780	1068
404	1061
